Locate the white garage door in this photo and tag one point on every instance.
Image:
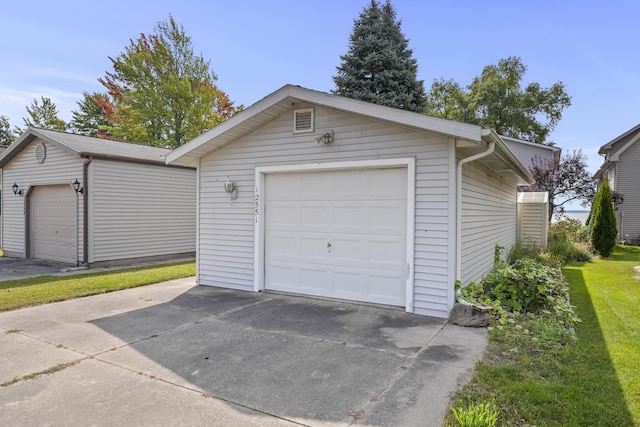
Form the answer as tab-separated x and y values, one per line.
339	234
53	223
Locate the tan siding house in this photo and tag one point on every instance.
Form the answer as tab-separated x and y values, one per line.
622	168
131	205
334	197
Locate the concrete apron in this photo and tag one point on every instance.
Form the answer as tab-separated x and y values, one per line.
178	354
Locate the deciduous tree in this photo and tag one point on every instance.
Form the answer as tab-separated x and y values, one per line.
161	92
498	99
566	179
42	114
91	116
379	66
6	136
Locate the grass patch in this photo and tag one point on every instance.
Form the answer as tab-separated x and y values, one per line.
16	294
538	374
35	375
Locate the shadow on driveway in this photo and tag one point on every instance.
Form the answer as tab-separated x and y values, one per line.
306	360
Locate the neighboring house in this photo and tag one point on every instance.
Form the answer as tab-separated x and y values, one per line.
316	194
526	151
621	168
129	205
533	208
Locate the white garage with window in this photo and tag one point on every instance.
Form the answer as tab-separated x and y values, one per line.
315	194
81	201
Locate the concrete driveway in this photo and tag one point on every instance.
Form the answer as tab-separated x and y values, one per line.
14	268
178	354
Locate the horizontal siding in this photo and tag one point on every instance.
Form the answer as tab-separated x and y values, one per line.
488	219
627	177
526	153
532	223
141	210
225	254
59	167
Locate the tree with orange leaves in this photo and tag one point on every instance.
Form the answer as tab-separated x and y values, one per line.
159	92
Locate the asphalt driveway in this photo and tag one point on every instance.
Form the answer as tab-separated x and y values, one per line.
178	354
15	268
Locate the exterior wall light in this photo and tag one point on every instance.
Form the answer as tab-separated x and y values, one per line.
231	190
77	187
16	190
325	138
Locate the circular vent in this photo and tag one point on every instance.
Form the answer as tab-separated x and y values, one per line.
41	152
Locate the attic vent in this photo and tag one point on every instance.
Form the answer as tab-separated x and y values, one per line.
303	120
41	152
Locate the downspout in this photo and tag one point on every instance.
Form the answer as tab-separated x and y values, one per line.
490	148
85	210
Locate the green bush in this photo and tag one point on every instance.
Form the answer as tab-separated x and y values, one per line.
576	231
582	252
523	251
478	415
602	223
561	246
527	286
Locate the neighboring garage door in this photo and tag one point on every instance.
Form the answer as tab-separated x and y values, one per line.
339	234
54	223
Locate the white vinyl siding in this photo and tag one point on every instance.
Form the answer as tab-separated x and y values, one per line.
525	152
627	177
140	210
488	219
226	239
533	218
59	167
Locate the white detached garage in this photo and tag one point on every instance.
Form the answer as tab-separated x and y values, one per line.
82	200
316	194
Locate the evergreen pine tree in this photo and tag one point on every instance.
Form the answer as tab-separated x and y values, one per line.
379	66
602	221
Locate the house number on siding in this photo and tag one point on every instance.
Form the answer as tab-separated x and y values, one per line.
257	205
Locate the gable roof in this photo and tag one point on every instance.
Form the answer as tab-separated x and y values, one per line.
614	148
618	145
552	149
287	97
86	146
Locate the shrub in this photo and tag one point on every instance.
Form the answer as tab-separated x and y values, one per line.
527	286
561	246
582	252
522	251
478	415
573	228
602	224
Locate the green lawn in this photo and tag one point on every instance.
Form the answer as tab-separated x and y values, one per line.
45	289
543	378
607	294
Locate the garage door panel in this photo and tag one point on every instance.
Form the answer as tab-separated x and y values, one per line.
53	219
312	217
311	280
339	234
386	182
389	253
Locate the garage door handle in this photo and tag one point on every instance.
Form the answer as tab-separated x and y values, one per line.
329	246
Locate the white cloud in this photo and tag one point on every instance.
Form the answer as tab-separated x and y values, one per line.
13	101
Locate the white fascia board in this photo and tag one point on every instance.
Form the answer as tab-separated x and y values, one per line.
624	148
606	147
391	115
511	160
227	125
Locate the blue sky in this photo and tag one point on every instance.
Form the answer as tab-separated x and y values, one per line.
59	49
